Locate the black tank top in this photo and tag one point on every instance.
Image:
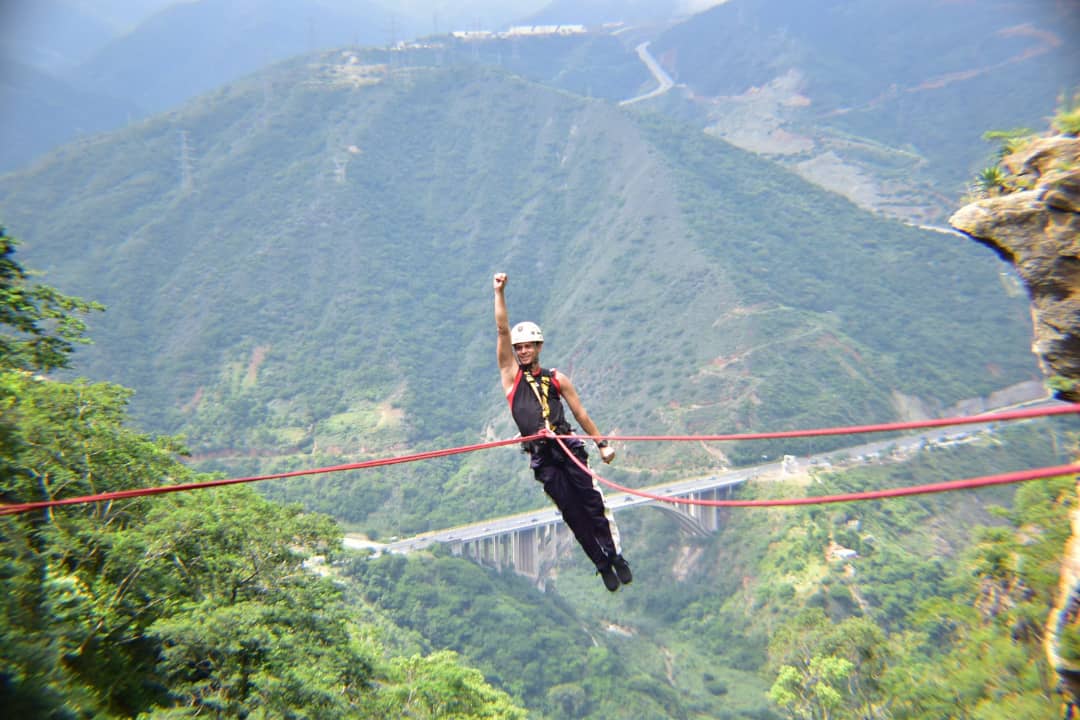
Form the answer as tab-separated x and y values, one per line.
526	407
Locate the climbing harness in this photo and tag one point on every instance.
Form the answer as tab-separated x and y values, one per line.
540	389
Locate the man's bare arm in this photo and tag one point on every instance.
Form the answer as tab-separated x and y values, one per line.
569	394
503	348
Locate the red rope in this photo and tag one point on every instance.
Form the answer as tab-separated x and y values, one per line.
15	509
858	429
1006	478
18	508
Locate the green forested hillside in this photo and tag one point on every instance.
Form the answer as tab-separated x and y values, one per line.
938	613
220	602
294	279
297	270
214	602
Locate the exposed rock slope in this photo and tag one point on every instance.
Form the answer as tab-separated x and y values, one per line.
1032	219
1037	229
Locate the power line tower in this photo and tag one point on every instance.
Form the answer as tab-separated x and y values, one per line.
262	115
187	174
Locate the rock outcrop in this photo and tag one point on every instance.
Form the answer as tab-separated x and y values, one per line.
1032	219
1037	229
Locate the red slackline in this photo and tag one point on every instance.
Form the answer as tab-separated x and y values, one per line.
15	509
18	508
859	429
970	483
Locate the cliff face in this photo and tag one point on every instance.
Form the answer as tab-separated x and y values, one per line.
1032	219
1037	229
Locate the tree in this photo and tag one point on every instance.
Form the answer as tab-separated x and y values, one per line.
42	325
814	692
438	686
811	652
190	604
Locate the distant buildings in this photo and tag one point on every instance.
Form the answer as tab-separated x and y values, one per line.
520	31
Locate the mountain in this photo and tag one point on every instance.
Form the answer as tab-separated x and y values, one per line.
66	58
297	268
43	112
883	101
193	47
51	35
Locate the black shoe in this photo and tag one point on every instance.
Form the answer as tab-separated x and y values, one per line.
611	580
622	570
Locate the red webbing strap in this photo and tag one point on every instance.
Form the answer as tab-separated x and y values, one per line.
15	509
970	483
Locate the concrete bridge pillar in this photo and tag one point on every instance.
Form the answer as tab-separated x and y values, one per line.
534	551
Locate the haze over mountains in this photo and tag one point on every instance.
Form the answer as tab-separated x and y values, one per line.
296	255
802	84
884	102
300	262
287	258
89	67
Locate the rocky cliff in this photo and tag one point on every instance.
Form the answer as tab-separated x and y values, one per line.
1031	217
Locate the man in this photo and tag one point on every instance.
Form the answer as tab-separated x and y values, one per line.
535	395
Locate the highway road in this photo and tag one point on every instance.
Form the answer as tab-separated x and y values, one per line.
664	80
880	450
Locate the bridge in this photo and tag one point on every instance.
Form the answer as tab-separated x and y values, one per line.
533	548
531	543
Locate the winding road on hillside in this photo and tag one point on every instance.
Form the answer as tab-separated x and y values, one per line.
664	80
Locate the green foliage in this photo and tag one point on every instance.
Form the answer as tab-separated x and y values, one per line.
991	180
1070	644
1010	140
816	692
1064	387
182	605
333	310
185	604
1067	118
40	325
138	604
900	611
437	686
459	606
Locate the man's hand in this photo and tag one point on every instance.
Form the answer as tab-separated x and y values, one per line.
607	454
499	282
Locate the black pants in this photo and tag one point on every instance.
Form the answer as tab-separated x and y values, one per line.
581	503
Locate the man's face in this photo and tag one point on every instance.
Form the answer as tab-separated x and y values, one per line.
527	353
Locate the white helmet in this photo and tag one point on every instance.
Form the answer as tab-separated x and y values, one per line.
526	332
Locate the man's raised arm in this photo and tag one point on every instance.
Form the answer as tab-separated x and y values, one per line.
503	347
